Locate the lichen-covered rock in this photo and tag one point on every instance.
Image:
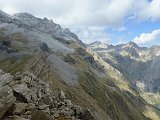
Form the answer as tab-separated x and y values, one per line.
6	99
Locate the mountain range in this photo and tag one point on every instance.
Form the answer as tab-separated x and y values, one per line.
108	82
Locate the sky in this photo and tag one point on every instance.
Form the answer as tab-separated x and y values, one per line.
110	21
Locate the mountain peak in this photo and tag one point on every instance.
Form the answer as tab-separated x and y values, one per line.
98	44
131	43
23	15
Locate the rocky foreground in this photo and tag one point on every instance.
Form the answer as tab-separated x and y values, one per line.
26	97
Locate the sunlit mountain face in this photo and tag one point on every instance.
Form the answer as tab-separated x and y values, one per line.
80	60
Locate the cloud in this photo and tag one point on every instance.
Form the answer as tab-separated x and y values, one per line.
150	11
90	34
120	29
87	12
148	37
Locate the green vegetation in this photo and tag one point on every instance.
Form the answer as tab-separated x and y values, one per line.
68	58
115	102
13	64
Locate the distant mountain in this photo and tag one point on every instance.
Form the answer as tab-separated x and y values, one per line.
39	60
140	65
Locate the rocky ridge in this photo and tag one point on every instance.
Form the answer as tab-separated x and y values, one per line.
26	97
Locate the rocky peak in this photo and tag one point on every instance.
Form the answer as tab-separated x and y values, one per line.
157	47
98	44
4	17
29	22
24	15
47	26
154	51
130	45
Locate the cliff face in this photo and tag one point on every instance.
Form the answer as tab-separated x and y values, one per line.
57	60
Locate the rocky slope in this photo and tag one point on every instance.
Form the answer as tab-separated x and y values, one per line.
25	97
61	60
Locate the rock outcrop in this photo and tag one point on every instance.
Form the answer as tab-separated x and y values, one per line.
25	97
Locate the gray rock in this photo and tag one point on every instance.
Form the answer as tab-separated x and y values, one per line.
43	107
5	78
69	112
23	93
78	110
26	79
47	99
19	108
6	99
1	71
56	114
45	88
73	118
68	102
31	75
61	95
30	106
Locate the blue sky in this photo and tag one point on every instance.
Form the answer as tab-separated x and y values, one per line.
111	21
134	29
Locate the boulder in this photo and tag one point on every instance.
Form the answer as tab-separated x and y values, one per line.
68	102
23	93
78	110
6	99
5	78
31	75
44	87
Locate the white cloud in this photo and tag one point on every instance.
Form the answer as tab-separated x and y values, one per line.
90	34
150	11
120	29
87	12
147	37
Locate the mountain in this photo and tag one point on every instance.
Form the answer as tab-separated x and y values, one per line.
140	65
44	67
